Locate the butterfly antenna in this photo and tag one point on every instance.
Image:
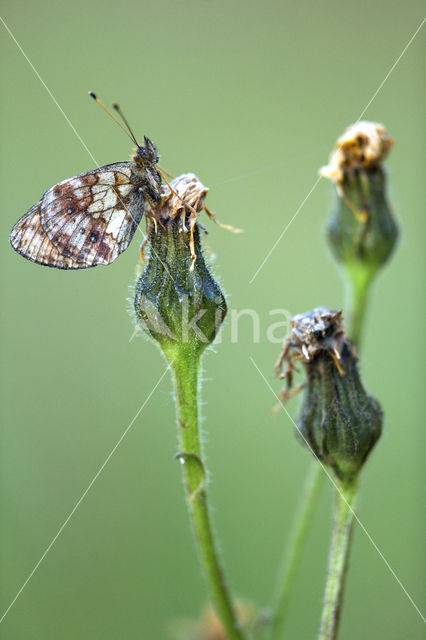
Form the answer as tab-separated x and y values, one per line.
96	99
126	122
168	174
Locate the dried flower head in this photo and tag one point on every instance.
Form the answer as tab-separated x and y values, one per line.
186	194
312	333
362	231
338	420
362	145
176	298
184	199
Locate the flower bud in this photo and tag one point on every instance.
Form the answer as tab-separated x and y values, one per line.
362	231
338	420
176	298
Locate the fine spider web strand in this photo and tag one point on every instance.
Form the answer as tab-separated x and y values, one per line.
256	273
48	90
271	167
342	496
256	172
154	388
71	125
232	179
317	181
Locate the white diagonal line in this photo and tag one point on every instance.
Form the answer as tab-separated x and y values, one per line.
247	175
330	477
154	388
269	167
48	91
320	177
80	500
285	228
76	133
392	68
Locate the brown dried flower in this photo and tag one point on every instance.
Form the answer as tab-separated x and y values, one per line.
362	145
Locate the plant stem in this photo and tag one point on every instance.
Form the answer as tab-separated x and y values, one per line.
338	561
296	543
359	280
358	284
184	361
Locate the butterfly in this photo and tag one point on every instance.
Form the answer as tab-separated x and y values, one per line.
91	218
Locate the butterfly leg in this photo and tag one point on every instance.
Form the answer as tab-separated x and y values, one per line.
228	227
150	225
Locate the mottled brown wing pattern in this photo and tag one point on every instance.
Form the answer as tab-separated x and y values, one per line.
30	240
83	221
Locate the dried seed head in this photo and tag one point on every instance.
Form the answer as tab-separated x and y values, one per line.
188	192
338	420
176	298
316	331
362	145
312	333
362	231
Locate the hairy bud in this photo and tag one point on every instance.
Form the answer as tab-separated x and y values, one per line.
338	420
177	300
362	231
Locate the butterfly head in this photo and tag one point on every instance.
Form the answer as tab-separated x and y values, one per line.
147	154
145	159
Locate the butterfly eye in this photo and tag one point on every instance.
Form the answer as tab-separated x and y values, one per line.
151	151
145	154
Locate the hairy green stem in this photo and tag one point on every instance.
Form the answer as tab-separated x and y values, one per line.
359	279
184	361
358	284
338	561
296	543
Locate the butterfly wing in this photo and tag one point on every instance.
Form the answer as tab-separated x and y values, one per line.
88	219
30	240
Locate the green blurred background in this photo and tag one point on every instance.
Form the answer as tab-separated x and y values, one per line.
251	96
